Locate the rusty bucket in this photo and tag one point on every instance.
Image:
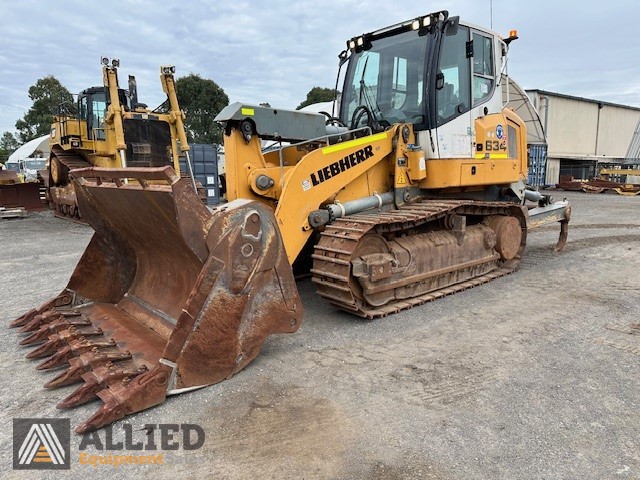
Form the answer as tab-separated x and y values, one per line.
169	295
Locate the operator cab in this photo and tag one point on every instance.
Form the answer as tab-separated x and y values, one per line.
92	107
433	72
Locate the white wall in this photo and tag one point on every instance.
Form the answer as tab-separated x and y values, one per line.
582	128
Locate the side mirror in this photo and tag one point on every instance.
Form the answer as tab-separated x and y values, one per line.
451	26
439	81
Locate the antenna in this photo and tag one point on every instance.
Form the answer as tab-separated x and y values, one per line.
491	12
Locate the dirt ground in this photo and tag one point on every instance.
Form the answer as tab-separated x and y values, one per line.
531	376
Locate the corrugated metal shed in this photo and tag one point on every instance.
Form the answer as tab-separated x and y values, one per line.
633	153
582	132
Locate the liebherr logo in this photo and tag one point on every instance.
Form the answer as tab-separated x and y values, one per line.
41	443
341	165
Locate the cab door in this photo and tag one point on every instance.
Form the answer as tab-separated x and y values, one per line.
453	97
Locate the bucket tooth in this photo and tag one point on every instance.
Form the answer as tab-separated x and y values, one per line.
85	363
43	333
564	233
71	375
73	349
24	318
83	394
36	337
106	414
33	324
47	349
63	337
97	380
39	320
63	300
56	360
128	396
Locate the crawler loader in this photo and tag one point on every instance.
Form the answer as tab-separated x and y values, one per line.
413	189
108	127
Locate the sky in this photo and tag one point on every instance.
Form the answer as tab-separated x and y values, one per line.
276	50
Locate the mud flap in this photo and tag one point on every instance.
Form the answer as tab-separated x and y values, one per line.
169	295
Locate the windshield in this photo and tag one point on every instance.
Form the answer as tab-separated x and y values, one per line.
387	79
37	164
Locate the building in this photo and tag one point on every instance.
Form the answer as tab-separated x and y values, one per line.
583	133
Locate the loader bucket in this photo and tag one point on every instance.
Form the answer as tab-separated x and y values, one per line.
169	295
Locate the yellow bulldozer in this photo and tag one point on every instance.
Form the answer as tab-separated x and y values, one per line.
413	189
108	127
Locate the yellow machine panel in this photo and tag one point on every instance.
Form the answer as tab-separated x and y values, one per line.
500	158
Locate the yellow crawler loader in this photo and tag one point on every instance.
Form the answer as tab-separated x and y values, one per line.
108	127
413	190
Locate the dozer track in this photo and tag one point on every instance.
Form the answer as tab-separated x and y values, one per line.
169	295
61	193
373	265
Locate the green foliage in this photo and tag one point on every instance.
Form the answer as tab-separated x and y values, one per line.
46	93
201	99
8	145
317	95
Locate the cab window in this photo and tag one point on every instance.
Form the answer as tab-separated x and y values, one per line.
98	112
387	79
453	95
83	108
483	68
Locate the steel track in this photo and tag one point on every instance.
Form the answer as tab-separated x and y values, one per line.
339	241
71	161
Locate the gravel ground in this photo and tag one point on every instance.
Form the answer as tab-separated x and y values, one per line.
532	376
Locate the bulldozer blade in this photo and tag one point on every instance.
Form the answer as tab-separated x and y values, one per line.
169	295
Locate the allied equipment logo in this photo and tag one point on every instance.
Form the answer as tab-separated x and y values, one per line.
41	443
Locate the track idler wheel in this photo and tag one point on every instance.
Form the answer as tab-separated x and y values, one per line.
508	236
59	172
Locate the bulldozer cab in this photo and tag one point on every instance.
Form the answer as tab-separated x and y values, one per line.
93	104
92	108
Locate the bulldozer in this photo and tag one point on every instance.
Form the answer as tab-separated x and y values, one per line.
413	189
108	127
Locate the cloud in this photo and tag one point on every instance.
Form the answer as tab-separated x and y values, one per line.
277	50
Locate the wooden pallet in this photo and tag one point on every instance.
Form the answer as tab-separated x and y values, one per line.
14	212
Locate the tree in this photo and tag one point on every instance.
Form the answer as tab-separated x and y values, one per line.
8	145
201	99
47	93
317	95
